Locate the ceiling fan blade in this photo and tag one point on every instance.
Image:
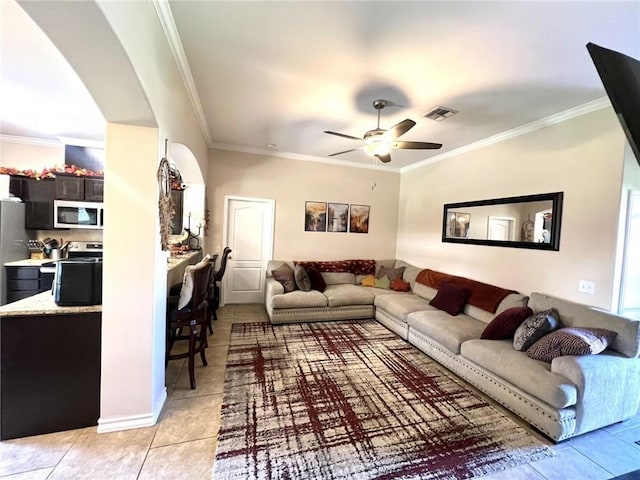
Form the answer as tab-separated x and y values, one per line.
346	151
398	129
342	135
417	145
386	158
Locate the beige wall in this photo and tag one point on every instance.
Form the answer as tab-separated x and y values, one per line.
292	182
583	157
29	155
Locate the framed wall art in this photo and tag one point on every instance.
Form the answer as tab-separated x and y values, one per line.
337	217
359	219
315	217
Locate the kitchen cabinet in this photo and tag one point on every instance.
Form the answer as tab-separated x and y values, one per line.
24	282
38	196
69	187
50	376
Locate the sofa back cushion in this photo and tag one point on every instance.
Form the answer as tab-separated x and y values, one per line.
484	296
572	314
410	272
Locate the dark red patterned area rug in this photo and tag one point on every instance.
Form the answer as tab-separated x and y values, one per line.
351	400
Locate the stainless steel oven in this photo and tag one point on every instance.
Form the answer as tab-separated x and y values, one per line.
70	214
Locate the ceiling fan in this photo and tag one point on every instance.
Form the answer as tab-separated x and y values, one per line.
379	142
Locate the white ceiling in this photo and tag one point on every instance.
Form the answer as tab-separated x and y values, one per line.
283	72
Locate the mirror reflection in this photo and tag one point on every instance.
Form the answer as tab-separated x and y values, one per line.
531	221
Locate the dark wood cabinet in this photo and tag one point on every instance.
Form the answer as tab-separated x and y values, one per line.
23	282
94	189
69	188
38	196
50	376
87	189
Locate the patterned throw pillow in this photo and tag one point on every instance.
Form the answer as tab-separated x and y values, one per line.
451	298
400	285
302	278
369	281
505	324
571	341
285	276
392	273
363	267
534	328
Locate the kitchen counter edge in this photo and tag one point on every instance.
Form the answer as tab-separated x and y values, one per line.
43	304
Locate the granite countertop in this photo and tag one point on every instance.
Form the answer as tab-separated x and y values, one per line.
28	262
183	259
42	304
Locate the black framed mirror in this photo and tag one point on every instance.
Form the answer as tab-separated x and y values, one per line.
529	221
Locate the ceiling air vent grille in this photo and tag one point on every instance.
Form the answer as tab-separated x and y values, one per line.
440	113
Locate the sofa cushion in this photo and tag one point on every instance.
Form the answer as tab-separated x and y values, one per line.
345	294
423	291
284	274
571	341
317	280
505	324
399	305
303	282
448	332
532	376
534	328
450	298
337	278
299	299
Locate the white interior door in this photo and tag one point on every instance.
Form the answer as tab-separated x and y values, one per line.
630	287
249	234
500	228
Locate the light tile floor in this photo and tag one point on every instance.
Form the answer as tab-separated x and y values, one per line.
182	445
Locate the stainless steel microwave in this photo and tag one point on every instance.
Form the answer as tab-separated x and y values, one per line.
70	214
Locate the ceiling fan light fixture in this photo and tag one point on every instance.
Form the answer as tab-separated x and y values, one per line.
375	145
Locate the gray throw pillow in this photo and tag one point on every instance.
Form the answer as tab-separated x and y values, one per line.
284	275
302	278
392	273
534	328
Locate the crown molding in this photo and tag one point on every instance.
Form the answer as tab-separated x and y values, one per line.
168	24
305	158
42	142
554	119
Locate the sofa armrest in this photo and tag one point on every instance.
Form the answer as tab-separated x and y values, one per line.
608	387
272	287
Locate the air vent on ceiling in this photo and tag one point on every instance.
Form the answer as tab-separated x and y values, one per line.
440	113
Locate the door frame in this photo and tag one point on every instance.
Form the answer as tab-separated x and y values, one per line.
225	230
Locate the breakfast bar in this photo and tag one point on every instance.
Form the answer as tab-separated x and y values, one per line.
49	366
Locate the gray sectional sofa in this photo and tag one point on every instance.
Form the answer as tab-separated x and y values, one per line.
567	397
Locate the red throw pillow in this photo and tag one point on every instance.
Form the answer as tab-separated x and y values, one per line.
400	285
317	281
506	323
451	298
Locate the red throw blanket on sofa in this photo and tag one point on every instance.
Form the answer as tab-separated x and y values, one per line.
484	296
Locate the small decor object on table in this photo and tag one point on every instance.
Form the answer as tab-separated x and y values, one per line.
338	217
359	219
315	217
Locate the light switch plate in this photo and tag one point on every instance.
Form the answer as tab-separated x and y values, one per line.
587	287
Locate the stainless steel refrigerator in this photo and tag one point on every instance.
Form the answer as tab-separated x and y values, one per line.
13	239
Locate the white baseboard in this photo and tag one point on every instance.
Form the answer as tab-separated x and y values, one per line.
106	425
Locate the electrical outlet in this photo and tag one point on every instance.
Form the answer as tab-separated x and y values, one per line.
587	287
